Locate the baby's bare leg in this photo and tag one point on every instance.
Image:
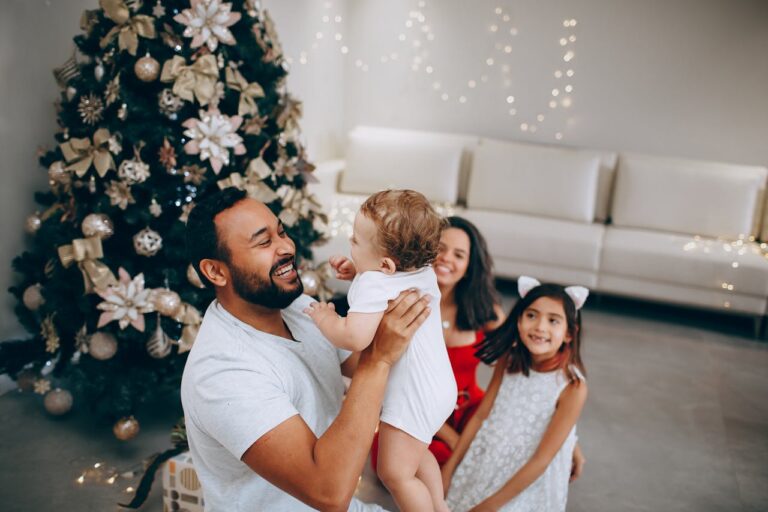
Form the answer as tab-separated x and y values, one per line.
429	473
400	458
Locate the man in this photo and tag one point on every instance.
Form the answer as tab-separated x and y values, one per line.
262	389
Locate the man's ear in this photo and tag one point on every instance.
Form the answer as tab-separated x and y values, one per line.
387	265
215	270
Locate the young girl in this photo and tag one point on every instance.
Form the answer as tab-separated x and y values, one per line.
515	453
395	237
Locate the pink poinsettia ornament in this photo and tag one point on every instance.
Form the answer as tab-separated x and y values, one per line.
212	136
207	22
125	302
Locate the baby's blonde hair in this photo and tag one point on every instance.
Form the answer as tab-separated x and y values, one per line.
407	227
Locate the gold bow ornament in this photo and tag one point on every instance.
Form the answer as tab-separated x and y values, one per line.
248	92
191	319
86	252
127	29
297	204
195	81
81	153
255	189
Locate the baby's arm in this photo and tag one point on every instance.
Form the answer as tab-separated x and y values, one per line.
353	332
569	408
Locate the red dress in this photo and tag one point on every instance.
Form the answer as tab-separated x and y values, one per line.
464	364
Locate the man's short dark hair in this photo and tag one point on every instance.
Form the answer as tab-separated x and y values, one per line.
202	239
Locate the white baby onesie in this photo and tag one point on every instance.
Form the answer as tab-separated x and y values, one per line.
421	392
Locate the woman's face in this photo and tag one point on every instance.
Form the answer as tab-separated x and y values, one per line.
452	257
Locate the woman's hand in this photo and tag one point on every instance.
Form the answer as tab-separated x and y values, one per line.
344	267
577	463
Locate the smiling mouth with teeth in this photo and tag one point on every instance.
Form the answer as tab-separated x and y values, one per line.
284	269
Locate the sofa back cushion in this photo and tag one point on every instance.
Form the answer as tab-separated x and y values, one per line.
382	158
536	180
684	196
605	180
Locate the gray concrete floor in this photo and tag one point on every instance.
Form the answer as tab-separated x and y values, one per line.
676	420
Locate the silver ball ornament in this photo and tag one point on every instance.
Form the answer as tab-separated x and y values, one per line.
98	71
147	69
126	428
33	297
102	345
147	242
58	401
71	92
98	224
33	223
193	277
167	302
311	281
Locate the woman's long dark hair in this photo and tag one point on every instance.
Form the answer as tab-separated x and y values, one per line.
475	292
506	339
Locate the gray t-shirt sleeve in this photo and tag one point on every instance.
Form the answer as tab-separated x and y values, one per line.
238	406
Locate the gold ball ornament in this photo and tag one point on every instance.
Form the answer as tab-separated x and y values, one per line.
126	428
98	224
33	223
311	281
33	297
147	69
147	242
58	402
102	345
167	302
57	175
193	277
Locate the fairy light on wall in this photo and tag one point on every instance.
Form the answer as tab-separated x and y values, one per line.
412	42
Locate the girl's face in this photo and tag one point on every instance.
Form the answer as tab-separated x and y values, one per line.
543	328
452	257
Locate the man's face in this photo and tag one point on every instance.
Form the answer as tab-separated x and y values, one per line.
261	255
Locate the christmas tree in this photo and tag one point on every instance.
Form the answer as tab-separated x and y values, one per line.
161	104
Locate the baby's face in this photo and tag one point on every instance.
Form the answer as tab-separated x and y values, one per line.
364	251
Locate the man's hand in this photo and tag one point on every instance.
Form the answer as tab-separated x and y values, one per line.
344	267
577	463
319	311
404	315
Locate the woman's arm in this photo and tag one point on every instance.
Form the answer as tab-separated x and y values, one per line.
567	413
448	435
474	423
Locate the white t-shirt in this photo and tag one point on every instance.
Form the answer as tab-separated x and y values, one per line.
421	391
240	383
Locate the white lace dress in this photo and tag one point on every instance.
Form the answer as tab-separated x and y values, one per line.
508	438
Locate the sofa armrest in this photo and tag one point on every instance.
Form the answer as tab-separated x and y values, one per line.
327	174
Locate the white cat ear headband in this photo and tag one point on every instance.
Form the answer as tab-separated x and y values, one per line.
578	294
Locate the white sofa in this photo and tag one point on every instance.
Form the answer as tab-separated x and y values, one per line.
657	228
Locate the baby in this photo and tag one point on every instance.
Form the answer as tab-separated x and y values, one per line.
395	238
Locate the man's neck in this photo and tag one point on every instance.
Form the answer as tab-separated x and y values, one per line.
268	320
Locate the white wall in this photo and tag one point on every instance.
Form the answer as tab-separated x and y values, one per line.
684	77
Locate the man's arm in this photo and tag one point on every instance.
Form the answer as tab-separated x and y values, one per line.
324	472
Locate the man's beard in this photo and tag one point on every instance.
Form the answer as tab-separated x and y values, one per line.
250	287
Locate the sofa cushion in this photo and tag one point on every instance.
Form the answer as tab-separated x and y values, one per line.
534	180
607	173
697	198
567	244
704	263
378	159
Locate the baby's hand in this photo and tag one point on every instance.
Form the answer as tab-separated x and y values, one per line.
344	267
319	311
